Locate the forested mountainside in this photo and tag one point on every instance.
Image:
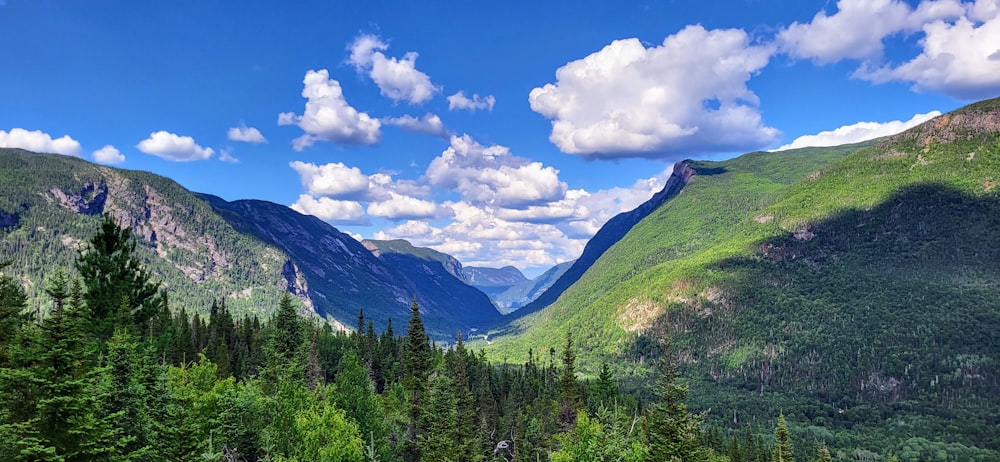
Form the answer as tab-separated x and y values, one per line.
202	248
855	288
509	290
438	277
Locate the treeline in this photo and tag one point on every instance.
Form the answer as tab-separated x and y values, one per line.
112	373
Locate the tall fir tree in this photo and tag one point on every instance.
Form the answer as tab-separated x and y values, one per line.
12	317
783	442
111	273
673	433
417	363
569	395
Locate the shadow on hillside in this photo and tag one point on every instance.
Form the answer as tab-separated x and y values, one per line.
868	308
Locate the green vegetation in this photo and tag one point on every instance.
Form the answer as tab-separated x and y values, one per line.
854	288
168	387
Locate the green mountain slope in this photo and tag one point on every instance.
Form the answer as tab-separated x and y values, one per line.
859	295
51	204
202	247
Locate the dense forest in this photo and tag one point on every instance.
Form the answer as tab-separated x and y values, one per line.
114	372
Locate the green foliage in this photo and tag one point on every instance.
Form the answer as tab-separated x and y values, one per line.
783	442
852	287
617	440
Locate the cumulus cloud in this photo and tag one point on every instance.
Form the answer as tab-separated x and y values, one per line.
331	210
245	134
39	141
429	124
491	174
534	237
861	131
328	117
397	79
108	155
332	180
402	207
958	43
688	95
174	147
459	101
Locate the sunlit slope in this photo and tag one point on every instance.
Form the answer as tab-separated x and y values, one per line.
860	295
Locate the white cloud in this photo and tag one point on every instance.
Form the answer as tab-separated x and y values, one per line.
959	45
688	95
173	147
39	141
332	180
108	155
331	210
429	124
226	155
401	207
861	131
535	237
245	134
328	117
459	101
960	59
397	79
493	175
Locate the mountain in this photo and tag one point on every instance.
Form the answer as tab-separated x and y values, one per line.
440	278
856	289
201	247
608	235
493	277
509	289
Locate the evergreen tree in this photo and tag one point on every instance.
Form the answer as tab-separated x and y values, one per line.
111	273
355	395
288	331
823	454
439	441
123	396
673	433
66	417
568	392
416	366
465	404
12	303
783	442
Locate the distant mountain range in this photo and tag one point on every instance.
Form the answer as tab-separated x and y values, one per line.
509	289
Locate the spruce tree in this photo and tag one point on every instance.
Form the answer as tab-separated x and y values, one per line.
439	441
783	442
66	417
568	393
111	273
465	405
673	433
12	303
823	454
288	330
416	367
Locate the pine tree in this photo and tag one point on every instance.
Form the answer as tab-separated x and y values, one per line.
823	454
66	411
673	433
465	404
288	331
123	395
12	303
440	436
416	366
111	273
783	445
568	392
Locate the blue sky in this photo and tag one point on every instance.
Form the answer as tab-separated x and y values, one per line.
502	132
